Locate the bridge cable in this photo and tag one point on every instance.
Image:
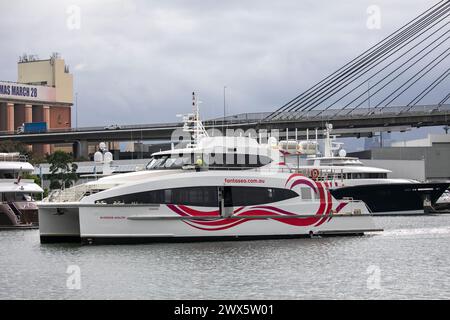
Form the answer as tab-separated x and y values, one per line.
444	100
336	87
370	59
333	75
391	73
397	76
428	89
414	82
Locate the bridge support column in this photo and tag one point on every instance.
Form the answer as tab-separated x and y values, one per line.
46	119
2	116
10	117
28	113
80	149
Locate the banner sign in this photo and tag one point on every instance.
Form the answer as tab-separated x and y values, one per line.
19	91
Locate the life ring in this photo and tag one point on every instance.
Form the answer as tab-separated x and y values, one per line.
315	174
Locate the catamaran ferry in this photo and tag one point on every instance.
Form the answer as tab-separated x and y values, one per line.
183	196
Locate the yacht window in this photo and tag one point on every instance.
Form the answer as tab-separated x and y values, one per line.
16	197
369	175
7	175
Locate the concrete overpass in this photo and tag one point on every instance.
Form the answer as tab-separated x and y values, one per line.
362	122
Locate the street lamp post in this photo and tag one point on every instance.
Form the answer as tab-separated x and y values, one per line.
76	110
224	109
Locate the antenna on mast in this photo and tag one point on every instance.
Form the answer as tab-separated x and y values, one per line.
193	124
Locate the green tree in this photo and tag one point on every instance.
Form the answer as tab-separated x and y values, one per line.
62	170
9	146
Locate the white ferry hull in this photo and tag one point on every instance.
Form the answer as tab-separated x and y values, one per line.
107	220
117	224
59	224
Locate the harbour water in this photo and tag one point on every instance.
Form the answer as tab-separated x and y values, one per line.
409	260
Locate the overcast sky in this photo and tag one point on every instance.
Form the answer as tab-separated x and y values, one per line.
139	61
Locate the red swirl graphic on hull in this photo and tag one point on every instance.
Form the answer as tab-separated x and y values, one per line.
295	180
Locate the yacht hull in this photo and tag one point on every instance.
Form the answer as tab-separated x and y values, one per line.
18	215
394	198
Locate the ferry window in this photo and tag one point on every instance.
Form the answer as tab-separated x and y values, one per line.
167	195
158	163
151	163
166	162
247	196
177	163
194	196
206	196
169	162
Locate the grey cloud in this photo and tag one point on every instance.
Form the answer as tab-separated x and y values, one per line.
139	61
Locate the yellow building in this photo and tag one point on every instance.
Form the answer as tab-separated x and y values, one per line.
43	93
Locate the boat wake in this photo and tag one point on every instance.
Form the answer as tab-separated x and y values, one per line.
416	231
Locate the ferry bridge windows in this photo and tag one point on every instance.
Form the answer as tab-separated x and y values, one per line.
207	196
235	161
212	160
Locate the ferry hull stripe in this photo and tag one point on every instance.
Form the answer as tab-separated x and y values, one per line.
320	217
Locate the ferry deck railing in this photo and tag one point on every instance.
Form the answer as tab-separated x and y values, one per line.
72	194
13	157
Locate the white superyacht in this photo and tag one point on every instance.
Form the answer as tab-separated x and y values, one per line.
17	207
